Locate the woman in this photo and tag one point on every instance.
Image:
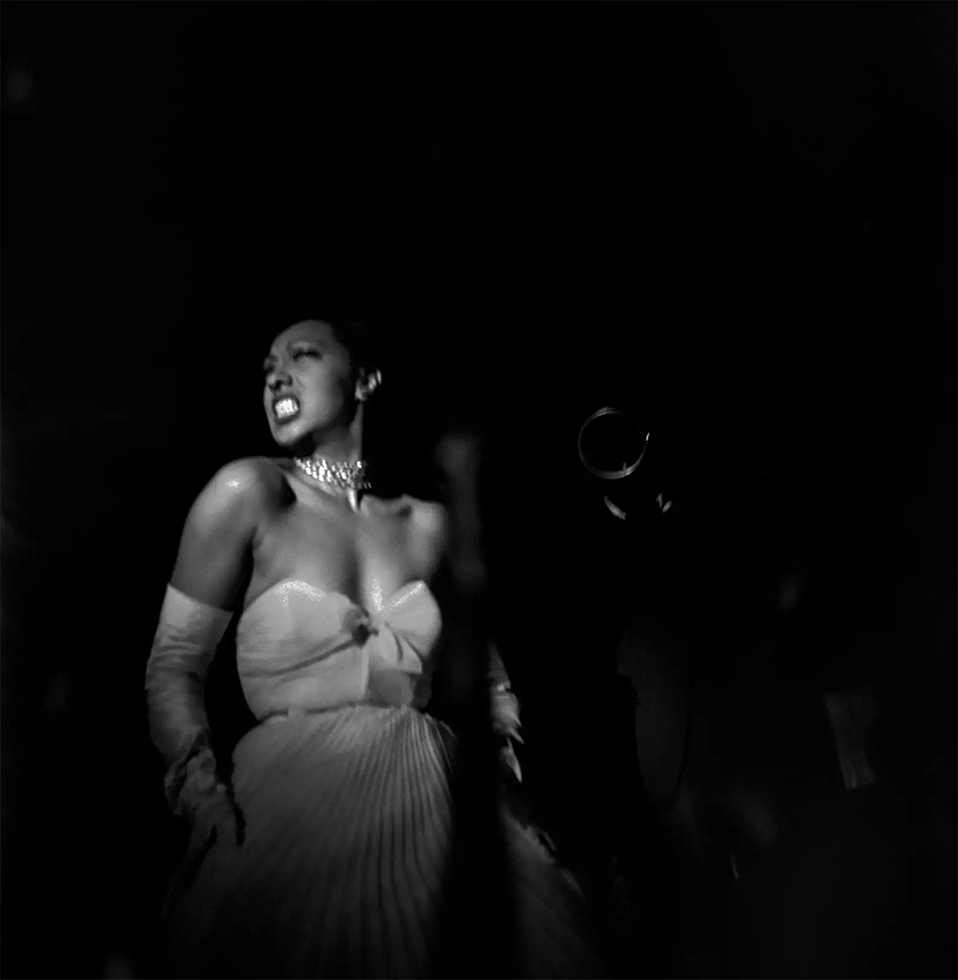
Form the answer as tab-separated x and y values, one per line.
325	852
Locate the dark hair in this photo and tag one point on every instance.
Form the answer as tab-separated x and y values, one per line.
365	348
365	343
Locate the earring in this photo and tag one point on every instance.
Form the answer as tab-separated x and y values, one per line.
372	383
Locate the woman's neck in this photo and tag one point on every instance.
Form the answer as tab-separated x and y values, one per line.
345	445
335	452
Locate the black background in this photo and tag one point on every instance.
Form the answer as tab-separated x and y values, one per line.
739	218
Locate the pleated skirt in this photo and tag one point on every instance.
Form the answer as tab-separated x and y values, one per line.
343	870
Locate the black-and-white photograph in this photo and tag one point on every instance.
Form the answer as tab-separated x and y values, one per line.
478	490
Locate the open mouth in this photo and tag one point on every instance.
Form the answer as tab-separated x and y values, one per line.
286	408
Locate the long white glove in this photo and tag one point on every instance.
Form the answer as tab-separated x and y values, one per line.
186	639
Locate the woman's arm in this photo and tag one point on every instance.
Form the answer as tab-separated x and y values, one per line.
206	581
219	531
505	712
503	702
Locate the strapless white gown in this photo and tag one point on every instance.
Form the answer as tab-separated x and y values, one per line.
344	790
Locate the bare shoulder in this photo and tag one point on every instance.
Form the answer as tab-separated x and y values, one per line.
239	486
424	515
220	528
430	516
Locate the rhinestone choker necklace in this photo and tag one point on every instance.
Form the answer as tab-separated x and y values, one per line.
343	476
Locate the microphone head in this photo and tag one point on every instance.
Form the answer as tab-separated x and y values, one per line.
612	443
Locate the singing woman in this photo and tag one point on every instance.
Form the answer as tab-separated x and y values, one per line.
321	849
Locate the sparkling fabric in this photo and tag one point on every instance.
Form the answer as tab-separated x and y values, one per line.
344	787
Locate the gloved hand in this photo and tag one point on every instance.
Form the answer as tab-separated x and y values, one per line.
505	717
196	792
509	763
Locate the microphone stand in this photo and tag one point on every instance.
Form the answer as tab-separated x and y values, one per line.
630	477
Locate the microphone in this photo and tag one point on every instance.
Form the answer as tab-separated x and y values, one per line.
614	447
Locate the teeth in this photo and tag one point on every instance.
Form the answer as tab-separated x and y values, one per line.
286	407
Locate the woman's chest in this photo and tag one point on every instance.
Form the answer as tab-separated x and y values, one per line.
366	555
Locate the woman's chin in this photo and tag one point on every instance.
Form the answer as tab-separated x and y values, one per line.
286	435
294	438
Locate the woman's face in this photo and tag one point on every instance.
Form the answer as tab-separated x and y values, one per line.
309	382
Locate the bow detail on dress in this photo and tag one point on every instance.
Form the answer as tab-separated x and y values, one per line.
358	623
298	647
